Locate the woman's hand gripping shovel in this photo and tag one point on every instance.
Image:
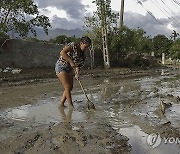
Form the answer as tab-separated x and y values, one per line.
90	104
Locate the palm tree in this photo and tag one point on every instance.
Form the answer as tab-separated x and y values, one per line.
174	35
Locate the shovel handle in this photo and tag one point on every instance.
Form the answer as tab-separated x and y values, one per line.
83	90
81	86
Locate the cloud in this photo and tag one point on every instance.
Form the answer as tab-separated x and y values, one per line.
66	24
74	8
132	20
148	23
45	11
75	12
177	24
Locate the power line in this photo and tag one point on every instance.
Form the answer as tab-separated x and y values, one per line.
150	13
174	4
161	9
175	1
169	8
170	18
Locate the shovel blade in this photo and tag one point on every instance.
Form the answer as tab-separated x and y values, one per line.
90	105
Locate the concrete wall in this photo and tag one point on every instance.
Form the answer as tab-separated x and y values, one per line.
26	54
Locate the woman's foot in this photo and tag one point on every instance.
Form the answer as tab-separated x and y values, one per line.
62	105
71	106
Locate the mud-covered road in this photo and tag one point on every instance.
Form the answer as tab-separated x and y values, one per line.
129	117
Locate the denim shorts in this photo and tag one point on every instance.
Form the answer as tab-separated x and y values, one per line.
60	68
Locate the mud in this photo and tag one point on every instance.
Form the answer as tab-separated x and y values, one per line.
128	111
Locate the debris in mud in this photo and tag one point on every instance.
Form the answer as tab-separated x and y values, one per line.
64	137
118	108
11	70
166	123
93	138
6	124
164	106
27	145
16	71
176	98
133	60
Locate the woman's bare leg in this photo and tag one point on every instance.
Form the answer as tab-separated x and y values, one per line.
71	80
63	99
67	81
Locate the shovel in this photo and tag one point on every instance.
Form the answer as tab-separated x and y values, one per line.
90	104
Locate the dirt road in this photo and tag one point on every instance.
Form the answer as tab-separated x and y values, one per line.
127	113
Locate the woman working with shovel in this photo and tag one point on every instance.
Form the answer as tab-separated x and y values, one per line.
72	57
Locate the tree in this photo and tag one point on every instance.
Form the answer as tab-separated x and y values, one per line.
175	50
4	35
63	39
123	42
100	25
142	43
21	16
92	27
174	35
161	44
105	15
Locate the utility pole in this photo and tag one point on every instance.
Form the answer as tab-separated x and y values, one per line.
121	14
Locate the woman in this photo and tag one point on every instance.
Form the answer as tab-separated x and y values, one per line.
72	57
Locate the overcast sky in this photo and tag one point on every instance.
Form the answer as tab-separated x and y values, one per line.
69	14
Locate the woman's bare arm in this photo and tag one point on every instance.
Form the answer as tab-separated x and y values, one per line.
64	54
77	73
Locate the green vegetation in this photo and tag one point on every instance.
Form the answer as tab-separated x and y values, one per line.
175	49
21	17
63	39
4	35
125	41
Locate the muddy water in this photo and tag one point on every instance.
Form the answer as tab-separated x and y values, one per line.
44	112
141	97
126	104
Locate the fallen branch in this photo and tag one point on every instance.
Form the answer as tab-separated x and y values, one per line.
4	42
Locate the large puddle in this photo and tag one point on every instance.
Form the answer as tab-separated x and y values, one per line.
45	112
115	94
